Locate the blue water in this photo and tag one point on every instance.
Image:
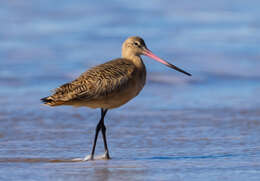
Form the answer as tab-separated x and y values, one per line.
204	127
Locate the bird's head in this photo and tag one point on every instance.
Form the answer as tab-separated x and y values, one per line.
135	46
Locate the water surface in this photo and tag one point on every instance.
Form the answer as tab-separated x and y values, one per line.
204	127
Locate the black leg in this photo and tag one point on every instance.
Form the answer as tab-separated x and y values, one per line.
103	129
99	126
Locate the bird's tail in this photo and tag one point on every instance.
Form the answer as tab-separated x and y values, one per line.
47	100
51	101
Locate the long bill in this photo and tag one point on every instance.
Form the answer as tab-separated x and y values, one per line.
153	56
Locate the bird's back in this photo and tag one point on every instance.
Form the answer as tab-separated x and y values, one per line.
98	86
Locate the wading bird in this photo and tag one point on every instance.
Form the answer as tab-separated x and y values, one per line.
108	85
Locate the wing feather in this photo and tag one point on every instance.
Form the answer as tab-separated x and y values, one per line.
96	82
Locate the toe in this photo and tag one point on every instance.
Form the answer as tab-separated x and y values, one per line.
88	158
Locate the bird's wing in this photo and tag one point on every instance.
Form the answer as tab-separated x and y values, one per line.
97	81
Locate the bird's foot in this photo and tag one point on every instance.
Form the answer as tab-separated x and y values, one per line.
105	156
87	158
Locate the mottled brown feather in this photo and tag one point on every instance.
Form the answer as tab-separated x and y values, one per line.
96	82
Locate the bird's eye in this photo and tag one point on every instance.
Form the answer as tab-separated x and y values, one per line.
136	44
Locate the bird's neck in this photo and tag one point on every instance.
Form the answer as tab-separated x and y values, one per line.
137	60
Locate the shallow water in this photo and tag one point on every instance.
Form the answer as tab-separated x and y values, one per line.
204	127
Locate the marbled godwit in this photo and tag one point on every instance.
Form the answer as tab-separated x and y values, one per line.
108	85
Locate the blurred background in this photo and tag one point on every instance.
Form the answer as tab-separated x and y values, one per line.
178	127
